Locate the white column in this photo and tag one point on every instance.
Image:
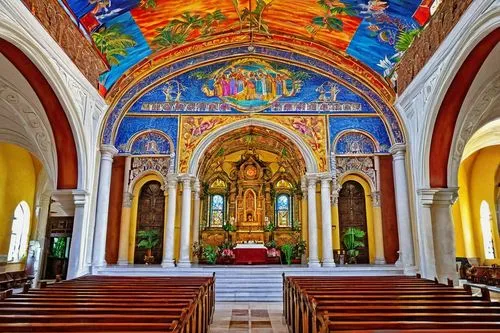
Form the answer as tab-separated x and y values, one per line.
125	218
184	260
439	231
101	223
196	211
168	237
312	221
444	234
42	220
72	203
406	254
425	234
326	213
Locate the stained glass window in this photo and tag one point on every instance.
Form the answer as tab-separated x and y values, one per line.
217	211
283	210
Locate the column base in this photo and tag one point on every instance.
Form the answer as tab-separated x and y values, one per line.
122	262
168	264
314	263
186	264
411	271
380	261
329	263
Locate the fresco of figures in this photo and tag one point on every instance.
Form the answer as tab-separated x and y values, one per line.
251	85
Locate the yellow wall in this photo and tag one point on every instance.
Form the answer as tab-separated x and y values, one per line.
18	178
476	181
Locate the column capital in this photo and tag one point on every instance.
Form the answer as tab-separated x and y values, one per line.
70	199
312	178
108	151
186	179
172	181
398	150
438	196
197	186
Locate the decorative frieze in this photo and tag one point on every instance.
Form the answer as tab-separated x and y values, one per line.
142	165
362	165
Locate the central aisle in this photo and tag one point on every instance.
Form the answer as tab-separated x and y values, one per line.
252	317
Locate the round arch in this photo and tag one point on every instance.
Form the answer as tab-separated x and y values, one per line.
136	190
307	153
367	187
69	175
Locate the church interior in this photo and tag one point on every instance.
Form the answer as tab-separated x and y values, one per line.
263	165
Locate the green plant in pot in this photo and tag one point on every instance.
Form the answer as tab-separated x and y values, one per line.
210	254
299	249
288	251
352	240
148	239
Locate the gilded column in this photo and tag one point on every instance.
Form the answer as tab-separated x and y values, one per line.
377	218
125	218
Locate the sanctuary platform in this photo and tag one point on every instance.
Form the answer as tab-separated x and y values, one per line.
243	283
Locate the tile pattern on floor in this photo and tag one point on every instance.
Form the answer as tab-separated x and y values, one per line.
242	317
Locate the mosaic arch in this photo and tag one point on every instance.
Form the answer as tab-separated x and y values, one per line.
355	142
149	142
269	81
130	33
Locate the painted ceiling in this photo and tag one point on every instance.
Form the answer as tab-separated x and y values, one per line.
129	31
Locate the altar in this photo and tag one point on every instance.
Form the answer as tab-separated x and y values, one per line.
250	254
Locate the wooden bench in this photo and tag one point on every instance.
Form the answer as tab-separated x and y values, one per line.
367	304
112	304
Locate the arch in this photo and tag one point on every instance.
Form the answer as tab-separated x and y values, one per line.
343	133
136	136
308	155
363	180
67	156
135	190
20	232
486	231
139	178
450	106
347	175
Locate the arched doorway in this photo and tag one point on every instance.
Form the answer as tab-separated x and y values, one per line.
352	213
150	216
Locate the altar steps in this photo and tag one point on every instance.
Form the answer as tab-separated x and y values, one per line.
261	283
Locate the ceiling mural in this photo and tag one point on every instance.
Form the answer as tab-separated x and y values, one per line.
129	31
250	85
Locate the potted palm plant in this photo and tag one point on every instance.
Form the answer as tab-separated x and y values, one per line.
352	242
287	250
148	239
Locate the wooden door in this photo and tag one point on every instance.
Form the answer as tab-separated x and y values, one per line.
150	215
352	213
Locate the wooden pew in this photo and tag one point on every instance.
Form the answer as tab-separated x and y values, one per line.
355	304
117	304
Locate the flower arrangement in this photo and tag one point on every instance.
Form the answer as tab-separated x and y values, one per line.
227	254
273	252
271	244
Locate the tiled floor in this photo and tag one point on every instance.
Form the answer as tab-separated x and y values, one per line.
244	317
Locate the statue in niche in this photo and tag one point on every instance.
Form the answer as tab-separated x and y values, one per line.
249	217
